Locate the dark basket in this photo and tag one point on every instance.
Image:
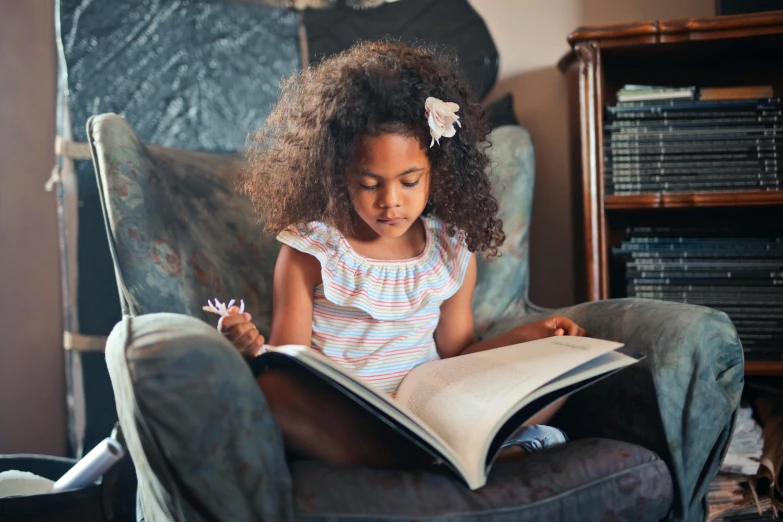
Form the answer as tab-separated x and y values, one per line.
103	501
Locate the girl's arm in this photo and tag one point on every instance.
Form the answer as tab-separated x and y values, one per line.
296	276
455	328
455	336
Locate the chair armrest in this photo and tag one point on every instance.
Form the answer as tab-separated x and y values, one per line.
533	308
198	426
680	401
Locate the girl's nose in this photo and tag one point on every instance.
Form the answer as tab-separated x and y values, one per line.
390	198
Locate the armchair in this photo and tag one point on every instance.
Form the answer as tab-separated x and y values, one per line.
645	442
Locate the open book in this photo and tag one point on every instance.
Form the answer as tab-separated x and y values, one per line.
461	410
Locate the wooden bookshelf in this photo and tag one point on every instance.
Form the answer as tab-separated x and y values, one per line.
704	52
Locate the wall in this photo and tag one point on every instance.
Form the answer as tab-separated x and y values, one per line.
32	398
531	38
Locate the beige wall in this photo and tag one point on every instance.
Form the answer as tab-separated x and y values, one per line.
531	37
32	399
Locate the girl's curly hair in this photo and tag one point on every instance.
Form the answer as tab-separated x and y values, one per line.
296	164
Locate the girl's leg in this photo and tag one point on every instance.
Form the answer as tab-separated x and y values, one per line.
544	416
319	423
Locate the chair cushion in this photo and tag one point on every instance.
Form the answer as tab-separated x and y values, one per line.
592	479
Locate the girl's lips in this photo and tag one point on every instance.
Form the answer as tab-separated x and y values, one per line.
391	221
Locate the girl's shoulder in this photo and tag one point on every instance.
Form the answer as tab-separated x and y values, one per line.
385	289
315	238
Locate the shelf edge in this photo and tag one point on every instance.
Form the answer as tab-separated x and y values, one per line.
693	200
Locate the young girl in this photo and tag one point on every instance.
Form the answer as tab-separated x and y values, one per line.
372	168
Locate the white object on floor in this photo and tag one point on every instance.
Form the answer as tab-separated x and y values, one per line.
92	466
746	446
15	483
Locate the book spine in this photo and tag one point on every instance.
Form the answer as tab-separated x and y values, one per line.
619	163
644	158
696	173
689	105
767	145
680	115
701	120
680	189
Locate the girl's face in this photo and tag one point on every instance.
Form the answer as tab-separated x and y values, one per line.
389	181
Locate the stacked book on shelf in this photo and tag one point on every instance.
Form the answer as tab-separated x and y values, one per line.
673	140
737	271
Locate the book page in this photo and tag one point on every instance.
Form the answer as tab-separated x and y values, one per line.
464	398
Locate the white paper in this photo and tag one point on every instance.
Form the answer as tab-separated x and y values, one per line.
15	483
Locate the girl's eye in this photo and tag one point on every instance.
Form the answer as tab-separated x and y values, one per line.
411	185
368	188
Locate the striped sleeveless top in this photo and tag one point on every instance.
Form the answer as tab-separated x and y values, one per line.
377	318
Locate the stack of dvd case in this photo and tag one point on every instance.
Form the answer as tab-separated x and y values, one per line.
676	145
737	271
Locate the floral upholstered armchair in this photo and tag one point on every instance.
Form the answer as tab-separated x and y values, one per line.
645	442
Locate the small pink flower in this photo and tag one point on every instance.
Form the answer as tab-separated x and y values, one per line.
222	309
441	118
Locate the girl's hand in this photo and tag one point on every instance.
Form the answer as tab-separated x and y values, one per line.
241	332
553	326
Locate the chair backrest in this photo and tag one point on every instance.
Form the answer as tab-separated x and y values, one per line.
502	284
180	234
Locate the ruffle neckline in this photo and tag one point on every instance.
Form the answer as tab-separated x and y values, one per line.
385	289
413	261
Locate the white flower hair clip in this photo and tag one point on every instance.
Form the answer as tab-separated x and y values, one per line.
441	119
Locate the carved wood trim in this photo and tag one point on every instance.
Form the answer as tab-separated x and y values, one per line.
770	22
748	21
604	32
590	115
